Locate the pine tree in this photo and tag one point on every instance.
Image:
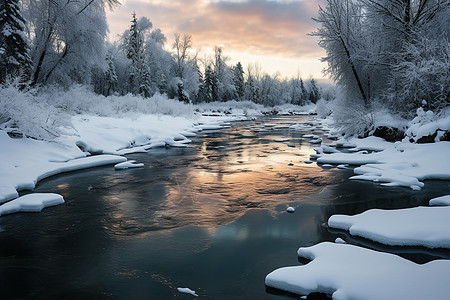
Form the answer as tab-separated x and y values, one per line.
162	85
238	80
305	94
182	95
14	50
135	41
145	82
210	87
139	74
110	74
314	94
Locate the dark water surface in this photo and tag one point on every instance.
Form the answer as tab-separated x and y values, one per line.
211	217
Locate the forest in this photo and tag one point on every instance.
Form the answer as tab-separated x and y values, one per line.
64	43
384	57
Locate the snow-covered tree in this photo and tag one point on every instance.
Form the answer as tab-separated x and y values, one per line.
110	74
224	76
238	80
375	50
314	93
68	38
341	36
139	77
184	66
210	85
181	45
14	48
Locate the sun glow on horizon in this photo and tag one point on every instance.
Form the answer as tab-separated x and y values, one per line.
273	34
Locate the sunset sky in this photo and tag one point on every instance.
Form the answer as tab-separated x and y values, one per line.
270	32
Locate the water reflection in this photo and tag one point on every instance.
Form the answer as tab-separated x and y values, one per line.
212	183
211	217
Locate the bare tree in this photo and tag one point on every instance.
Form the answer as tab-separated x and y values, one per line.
181	45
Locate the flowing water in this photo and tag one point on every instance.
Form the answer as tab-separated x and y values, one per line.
211	217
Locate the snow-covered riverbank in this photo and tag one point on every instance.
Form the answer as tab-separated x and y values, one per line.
25	161
51	136
346	271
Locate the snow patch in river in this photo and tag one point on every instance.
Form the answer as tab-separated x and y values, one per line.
31	203
351	272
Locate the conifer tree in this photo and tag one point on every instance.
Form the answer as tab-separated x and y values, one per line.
210	85
305	94
238	80
110	74
314	94
14	49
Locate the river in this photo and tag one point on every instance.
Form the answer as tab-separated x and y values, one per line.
211	217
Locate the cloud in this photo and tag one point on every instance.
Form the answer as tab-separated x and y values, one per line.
259	27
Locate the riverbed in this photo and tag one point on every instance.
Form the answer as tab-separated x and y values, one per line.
211	217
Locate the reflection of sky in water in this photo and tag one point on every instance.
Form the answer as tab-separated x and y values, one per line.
211	217
215	182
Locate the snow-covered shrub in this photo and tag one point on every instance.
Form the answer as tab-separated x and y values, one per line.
429	127
350	120
324	108
30	114
422	73
44	113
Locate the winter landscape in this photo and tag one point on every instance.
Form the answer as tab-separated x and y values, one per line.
224	149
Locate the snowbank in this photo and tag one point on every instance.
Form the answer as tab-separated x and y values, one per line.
396	164
31	203
109	135
350	272
250	108
427	124
418	226
25	161
444	200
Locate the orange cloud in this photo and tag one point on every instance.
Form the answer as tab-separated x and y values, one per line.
259	27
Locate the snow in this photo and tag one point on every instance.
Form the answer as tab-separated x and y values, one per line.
426	123
25	161
443	200
128	164
290	209
187	291
316	141
395	164
339	241
31	203
418	226
350	272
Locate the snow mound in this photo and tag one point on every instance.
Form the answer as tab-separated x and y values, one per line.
187	291
428	124
315	141
443	200
172	143
418	226
339	241
31	203
350	272
128	164
400	164
290	209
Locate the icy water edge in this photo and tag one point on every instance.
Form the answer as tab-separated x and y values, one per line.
211	217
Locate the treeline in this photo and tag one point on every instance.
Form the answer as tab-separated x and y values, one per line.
63	42
392	54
